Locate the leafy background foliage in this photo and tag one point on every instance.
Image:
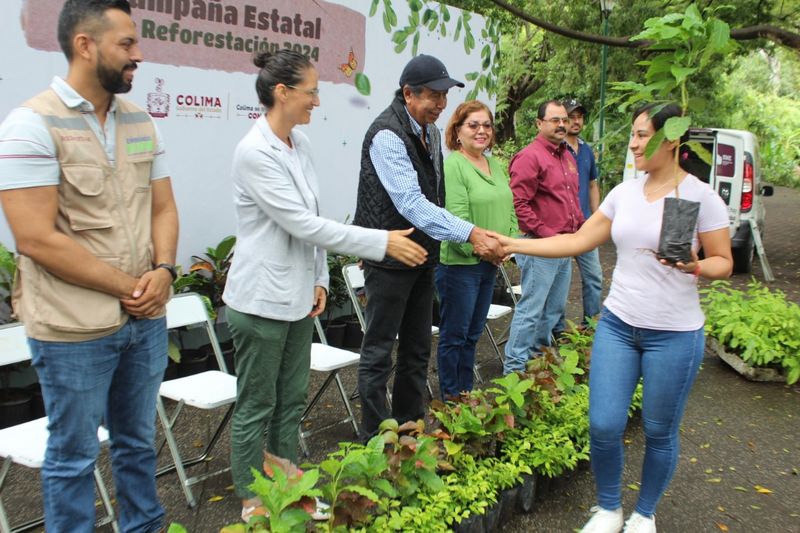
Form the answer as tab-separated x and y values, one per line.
754	87
759	324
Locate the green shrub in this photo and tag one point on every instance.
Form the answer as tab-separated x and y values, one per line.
759	325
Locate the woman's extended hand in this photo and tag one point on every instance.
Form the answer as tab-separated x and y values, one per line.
404	249
506	242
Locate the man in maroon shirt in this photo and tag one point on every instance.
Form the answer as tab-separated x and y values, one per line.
544	180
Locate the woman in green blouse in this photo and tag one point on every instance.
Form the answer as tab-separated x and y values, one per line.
477	191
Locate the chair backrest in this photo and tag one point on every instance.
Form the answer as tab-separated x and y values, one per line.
320	331
13	344
186	309
189	309
509	286
354	279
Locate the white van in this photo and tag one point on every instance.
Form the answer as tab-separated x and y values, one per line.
736	176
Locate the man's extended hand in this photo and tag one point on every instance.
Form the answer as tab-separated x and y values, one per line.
150	295
404	249
509	244
486	246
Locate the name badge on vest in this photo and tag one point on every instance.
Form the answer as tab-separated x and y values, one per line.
138	145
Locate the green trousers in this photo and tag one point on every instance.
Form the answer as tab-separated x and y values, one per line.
272	367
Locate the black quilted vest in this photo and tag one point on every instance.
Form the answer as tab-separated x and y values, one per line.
374	208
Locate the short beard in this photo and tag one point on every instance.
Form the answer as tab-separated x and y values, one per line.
112	80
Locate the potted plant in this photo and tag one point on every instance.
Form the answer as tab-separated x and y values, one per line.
8	270
683	45
207	276
339	300
15	403
208	273
484	460
757	331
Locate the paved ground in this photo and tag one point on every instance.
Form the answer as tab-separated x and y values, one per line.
736	435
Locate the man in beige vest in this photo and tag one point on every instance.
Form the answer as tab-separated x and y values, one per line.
86	192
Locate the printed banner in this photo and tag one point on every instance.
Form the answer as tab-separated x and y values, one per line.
223	34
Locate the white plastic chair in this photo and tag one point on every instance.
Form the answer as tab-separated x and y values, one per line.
495	311
25	444
329	359
354	279
515	291
206	390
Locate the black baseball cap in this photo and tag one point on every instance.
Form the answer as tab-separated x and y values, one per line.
572	104
427	71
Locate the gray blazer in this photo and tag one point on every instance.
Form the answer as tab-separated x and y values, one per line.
279	256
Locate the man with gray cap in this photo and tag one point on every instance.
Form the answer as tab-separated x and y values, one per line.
401	185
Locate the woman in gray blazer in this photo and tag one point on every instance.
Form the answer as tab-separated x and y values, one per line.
279	278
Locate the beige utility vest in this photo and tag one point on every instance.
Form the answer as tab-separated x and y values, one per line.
104	208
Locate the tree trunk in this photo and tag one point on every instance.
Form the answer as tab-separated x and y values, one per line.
505	127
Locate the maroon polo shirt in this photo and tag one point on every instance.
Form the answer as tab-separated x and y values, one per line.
544	180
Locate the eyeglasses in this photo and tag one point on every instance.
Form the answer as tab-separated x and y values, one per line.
475	126
313	93
555	121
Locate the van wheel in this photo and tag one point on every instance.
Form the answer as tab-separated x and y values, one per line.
743	258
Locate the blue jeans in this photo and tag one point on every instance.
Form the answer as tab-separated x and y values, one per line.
668	362
465	294
113	380
545	285
591	286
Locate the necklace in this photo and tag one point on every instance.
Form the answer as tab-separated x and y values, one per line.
651	193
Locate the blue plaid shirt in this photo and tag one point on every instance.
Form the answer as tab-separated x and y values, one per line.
399	178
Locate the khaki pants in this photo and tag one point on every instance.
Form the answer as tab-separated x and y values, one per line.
272	367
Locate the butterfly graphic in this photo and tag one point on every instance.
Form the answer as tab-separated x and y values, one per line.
349	67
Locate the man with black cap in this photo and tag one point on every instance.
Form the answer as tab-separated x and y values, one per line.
589	196
401	185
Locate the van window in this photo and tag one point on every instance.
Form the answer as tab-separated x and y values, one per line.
726	160
692	163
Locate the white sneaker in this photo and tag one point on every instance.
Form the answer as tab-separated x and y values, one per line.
322	512
638	523
604	521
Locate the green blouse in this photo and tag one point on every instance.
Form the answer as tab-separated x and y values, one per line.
485	201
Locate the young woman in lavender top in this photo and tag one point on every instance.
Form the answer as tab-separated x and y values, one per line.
651	325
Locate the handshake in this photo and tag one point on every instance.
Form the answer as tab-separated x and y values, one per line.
487	245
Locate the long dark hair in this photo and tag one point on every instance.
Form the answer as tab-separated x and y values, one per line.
284	66
663	113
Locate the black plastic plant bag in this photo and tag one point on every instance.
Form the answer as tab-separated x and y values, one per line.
677	230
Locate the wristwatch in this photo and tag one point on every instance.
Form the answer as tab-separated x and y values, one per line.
169	268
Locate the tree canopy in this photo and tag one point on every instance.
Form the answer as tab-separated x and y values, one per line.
534	50
537	61
767	24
